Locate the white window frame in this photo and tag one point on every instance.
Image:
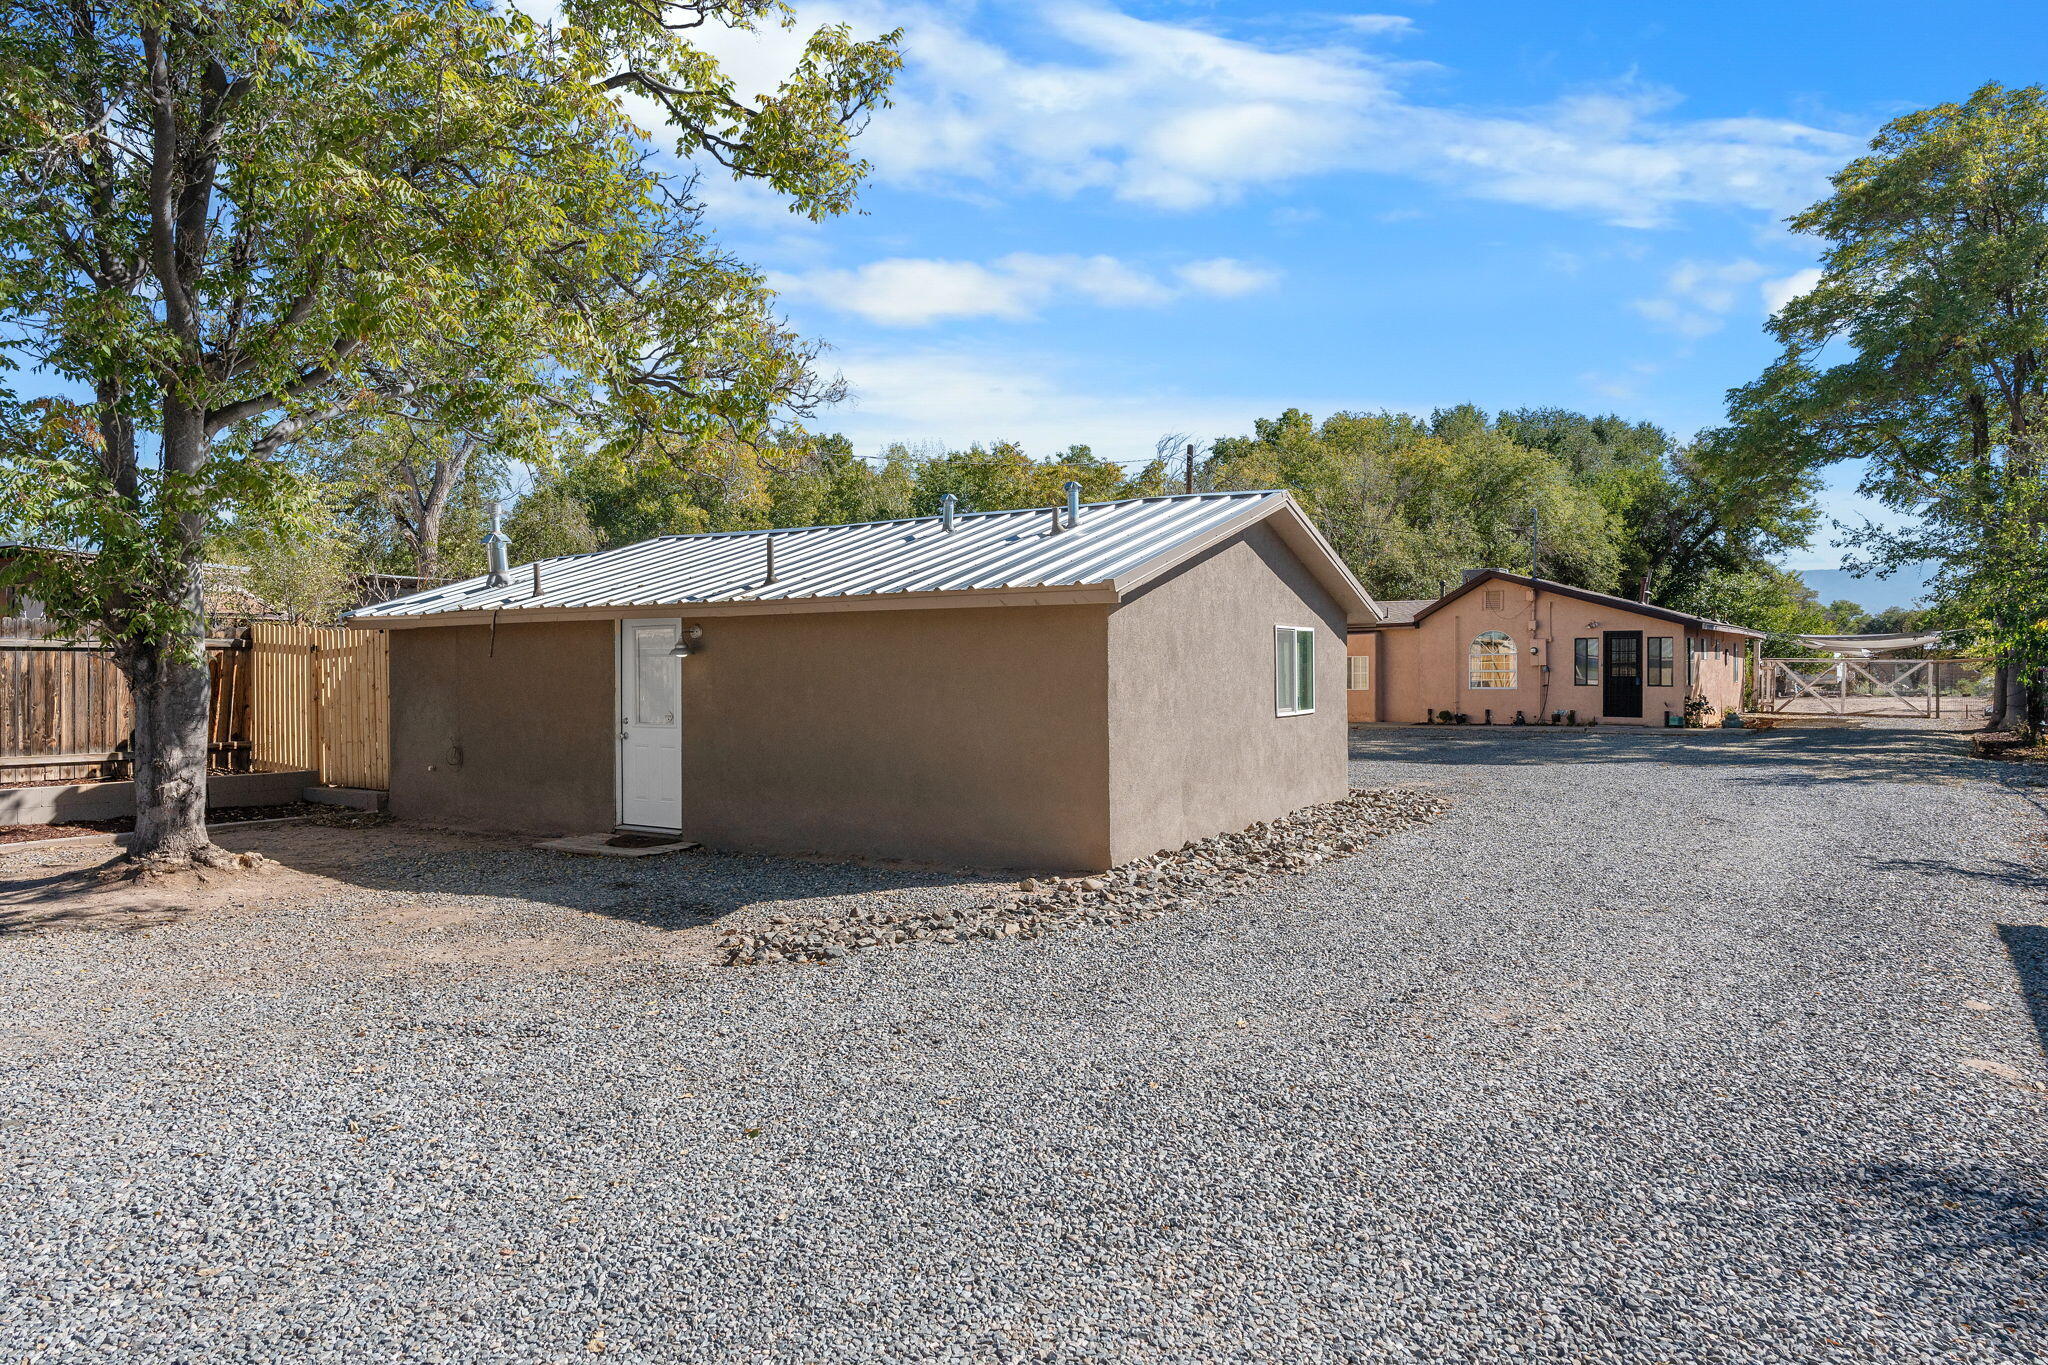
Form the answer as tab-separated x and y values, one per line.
1472	656
1358	672
1290	686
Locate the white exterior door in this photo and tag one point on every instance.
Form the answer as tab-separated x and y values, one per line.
650	725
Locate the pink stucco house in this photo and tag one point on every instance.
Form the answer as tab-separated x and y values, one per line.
1502	645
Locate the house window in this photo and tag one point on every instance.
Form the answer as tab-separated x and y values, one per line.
1494	599
1493	660
1585	662
1359	678
1660	661
1294	670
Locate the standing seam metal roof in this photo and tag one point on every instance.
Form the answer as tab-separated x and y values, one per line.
986	551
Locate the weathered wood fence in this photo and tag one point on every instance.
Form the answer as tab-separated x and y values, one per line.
284	697
65	710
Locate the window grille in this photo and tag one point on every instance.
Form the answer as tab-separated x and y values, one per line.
1659	661
1492	661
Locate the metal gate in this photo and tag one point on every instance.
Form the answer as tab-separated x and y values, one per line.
1927	688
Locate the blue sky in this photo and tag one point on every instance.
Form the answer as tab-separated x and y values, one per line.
1101	223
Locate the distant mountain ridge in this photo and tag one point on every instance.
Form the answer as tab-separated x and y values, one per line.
1902	589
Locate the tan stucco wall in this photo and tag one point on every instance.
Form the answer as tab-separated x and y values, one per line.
1363	704
967	735
1063	738
515	735
1718	668
1195	745
1424	668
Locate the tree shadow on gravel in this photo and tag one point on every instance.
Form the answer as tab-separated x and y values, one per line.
683	890
2027	946
1795	757
1999	872
1970	1243
676	891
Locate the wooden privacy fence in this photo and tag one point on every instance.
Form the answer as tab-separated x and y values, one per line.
321	699
284	698
65	712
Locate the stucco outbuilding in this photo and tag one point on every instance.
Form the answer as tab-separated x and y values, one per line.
1056	688
1502	645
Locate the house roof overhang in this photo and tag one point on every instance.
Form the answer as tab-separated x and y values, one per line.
1603	599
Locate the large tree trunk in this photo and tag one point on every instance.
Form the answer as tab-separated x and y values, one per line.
2001	691
2019	701
171	690
427	552
167	675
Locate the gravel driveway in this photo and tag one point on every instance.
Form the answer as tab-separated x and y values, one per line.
1659	1047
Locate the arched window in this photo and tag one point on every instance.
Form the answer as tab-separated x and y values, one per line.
1493	660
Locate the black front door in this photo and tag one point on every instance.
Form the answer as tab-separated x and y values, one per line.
1621	691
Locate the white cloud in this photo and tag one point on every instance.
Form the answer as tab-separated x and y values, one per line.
1379	25
1778	293
1225	278
952	397
1176	117
1699	295
916	292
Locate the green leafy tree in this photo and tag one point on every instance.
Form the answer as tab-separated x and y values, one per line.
1411	503
1920	351
550	522
230	221
296	558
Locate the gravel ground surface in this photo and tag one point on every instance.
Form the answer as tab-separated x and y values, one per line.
1686	1047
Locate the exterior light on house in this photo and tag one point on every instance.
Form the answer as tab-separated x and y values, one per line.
686	642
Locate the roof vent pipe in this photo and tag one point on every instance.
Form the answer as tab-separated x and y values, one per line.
946	506
771	558
495	545
1073	503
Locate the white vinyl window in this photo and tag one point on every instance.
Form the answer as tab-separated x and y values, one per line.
1294	670
1359	677
1492	661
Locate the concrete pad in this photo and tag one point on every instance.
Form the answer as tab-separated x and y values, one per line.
600	846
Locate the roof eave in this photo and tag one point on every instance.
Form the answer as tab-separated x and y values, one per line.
1081	594
1293	527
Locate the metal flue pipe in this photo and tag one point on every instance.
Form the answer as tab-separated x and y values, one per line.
947	504
1073	503
495	547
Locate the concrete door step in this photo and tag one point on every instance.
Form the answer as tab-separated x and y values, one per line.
617	845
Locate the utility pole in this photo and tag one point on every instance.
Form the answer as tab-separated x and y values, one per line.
1191	466
1535	541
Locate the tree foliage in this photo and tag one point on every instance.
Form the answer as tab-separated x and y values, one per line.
231	221
1920	351
1599	502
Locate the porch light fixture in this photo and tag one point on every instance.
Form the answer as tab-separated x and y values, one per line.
686	642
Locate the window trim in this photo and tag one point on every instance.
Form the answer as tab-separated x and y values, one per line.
1511	654
1358	672
1286	646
